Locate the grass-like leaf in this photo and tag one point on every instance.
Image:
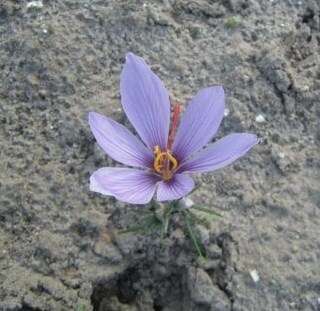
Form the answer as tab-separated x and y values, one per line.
199	219
196	242
149	224
206	210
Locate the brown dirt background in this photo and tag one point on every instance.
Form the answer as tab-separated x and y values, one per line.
62	60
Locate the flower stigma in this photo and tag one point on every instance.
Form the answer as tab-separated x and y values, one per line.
164	163
175	118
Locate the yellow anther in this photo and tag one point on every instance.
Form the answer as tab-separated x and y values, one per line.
156	150
164	163
172	160
158	162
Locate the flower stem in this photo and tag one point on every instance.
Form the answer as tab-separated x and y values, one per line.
167	212
192	235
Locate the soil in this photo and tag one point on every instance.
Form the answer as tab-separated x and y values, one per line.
60	246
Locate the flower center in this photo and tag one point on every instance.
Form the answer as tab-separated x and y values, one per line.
164	163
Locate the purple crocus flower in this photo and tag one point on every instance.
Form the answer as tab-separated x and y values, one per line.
170	151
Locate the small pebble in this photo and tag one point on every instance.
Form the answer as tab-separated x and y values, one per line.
305	88
260	118
281	155
35	4
226	112
188	202
254	275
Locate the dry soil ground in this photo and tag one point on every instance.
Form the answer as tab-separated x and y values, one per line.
60	59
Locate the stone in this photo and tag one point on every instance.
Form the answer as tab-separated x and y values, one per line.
204	292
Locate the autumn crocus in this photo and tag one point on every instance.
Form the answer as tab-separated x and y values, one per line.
171	148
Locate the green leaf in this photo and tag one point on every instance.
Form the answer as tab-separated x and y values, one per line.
199	219
232	22
196	242
206	210
169	209
149	224
80	307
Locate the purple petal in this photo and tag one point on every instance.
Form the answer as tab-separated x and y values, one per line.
176	188
220	153
118	142
125	184
145	102
200	122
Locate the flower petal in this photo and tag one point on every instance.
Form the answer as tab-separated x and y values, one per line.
200	121
145	102
118	142
125	184
220	153
177	187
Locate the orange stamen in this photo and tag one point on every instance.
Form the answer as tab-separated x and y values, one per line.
164	163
